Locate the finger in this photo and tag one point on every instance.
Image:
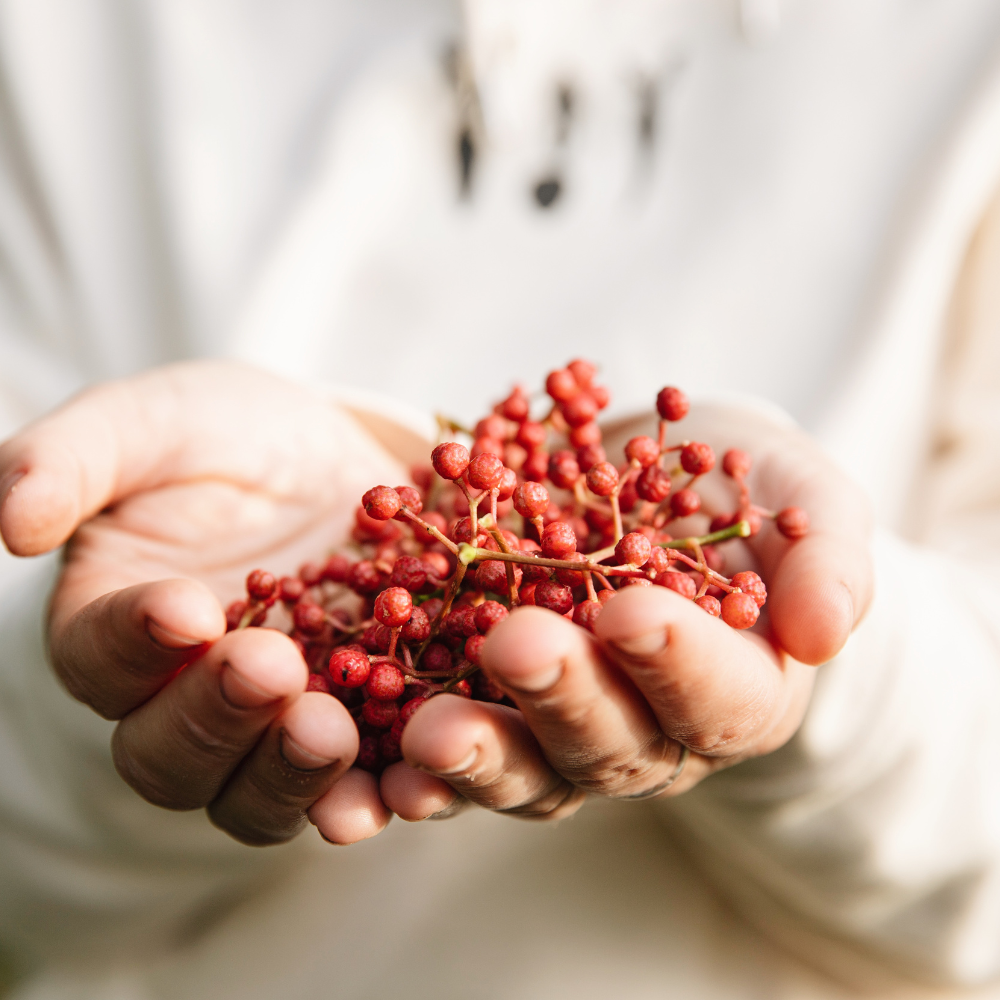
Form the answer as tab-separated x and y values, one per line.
720	692
820	586
119	649
172	424
179	748
303	753
351	810
488	754
415	795
592	724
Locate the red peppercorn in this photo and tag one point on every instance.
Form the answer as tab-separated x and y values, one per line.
317	682
684	503
337	569
589	456
388	748
450	460
602	479
234	615
527	592
488	614
380	714
672	404
531	435
585	614
514	456
432	607
486	446
408	572
571	577
418	628
463	689
507	485
736	463
644	450
308	617
409	710
411	499
792	522
681	583
461	531
365	577
368	757
473	648
385	682
585	435
494	426
536	465
394	606
653	484
433	518
722	521
563	469
750	583
633	548
579	410
437	658
697	458
423	476
561	385
492	576
558	540
600	395
554	596
349	667
515	406
485	471
739	610
658	561
461	622
311	573
628	497
710	604
371	529
531	499
375	639
290	589
381	502
262	586
583	371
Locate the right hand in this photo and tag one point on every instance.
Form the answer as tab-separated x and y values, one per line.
169	487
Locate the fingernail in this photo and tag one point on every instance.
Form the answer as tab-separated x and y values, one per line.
538	680
465	765
295	756
241	693
642	647
8	483
168	639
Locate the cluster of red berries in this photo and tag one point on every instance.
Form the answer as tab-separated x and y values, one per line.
442	562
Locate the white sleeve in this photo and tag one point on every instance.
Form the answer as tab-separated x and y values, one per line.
877	827
876	830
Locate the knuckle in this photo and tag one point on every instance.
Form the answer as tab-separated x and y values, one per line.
255	831
150	784
557	802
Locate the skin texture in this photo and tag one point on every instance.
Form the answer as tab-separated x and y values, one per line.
170	486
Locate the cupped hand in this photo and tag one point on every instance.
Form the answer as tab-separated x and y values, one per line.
612	713
169	487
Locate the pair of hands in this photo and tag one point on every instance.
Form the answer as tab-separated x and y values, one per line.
171	485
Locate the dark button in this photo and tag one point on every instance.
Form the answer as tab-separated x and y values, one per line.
547	191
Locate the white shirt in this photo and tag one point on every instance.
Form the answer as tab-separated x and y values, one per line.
280	182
